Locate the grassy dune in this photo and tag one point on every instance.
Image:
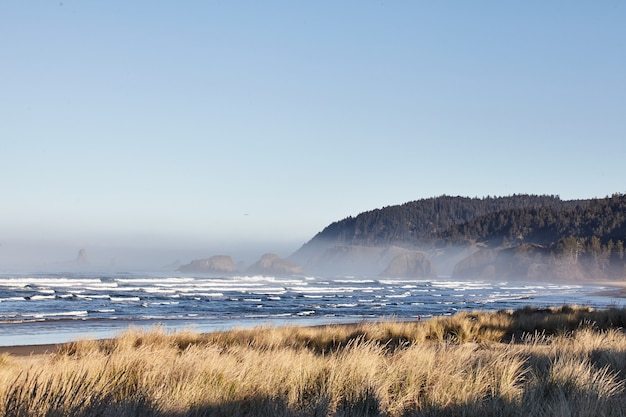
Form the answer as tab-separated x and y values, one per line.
569	361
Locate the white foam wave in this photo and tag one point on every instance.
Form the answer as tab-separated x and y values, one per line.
92	296
461	285
41	297
306	313
158	281
61	314
394	282
159	290
46	282
12	299
163	303
124	299
404	295
206	294
333	290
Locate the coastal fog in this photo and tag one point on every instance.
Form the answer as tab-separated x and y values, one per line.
28	256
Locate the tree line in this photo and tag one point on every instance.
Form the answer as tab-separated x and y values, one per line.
592	226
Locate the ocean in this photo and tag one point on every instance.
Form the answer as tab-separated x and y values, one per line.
54	308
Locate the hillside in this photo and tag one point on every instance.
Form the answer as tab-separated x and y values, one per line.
519	236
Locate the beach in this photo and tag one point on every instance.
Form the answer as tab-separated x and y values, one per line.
617	289
28	350
474	364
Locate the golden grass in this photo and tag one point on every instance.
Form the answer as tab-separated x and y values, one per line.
569	361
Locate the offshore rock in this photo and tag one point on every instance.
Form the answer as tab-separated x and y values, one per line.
81	257
271	264
219	264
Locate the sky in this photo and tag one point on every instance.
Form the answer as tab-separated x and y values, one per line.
201	126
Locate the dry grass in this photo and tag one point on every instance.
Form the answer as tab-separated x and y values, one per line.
569	361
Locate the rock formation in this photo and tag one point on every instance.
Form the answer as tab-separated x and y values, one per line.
271	264
412	264
219	264
370	260
478	264
525	262
529	237
349	260
81	257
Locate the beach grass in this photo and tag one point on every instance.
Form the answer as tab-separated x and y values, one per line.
567	361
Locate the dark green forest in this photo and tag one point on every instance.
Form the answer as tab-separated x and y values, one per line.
592	231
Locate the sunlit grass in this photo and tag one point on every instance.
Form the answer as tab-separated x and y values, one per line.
529	362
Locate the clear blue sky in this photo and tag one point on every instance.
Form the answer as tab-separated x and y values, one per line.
197	124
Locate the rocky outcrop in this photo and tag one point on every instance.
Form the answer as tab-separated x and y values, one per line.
524	262
371	260
81	257
219	264
445	259
478	264
271	264
410	265
352	260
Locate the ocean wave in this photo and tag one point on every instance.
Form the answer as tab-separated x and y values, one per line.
60	314
333	290
46	282
125	299
156	281
205	294
41	297
12	299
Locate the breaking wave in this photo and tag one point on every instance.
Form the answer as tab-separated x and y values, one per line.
90	300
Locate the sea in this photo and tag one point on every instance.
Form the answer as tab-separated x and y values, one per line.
41	308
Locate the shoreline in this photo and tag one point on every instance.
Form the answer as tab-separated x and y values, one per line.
30	350
380	370
615	289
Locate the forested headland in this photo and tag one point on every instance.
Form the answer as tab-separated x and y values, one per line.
522	236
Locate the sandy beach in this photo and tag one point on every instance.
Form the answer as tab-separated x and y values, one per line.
28	350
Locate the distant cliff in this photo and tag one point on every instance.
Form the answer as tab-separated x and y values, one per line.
520	236
412	264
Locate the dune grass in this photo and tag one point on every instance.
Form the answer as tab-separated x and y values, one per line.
568	361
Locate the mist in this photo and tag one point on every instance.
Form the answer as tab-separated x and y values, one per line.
56	256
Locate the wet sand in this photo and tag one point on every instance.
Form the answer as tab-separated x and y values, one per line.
617	289
28	350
